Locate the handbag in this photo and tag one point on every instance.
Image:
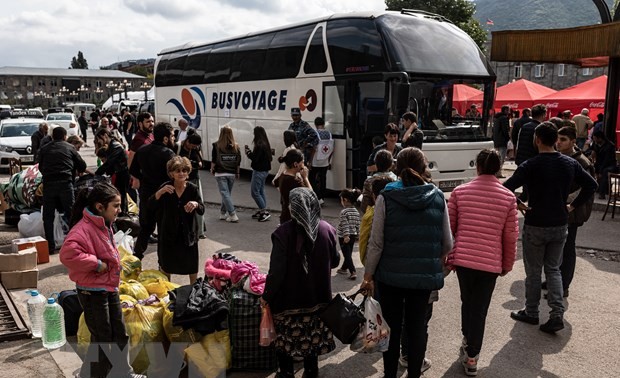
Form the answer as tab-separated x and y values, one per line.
343	317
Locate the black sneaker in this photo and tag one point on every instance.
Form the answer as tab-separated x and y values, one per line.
256	215
553	325
522	316
264	217
152	240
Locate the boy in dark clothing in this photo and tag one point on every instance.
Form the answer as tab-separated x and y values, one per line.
548	177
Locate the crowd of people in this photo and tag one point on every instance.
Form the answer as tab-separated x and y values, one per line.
409	235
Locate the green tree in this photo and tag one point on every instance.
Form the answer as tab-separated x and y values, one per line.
79	61
459	12
139	70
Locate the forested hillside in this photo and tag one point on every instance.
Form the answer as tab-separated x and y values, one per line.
537	14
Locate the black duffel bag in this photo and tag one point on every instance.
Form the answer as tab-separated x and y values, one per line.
343	317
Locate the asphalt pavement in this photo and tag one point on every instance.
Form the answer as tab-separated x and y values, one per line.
587	347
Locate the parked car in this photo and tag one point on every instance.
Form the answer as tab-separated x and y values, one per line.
15	141
61	119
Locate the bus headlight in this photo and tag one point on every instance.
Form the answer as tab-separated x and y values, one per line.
431	165
472	163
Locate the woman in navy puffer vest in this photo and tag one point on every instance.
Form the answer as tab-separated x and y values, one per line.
409	239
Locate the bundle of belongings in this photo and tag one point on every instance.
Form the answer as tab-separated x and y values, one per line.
243	284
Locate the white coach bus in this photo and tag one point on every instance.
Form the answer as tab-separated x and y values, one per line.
358	71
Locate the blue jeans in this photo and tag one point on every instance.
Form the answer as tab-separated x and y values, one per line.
225	185
543	249
257	188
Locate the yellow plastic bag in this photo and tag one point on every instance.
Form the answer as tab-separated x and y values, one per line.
210	357
144	324
178	334
147	276
83	336
131	266
134	289
159	287
127	299
132	208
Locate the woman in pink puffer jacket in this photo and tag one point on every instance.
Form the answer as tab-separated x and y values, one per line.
483	219
90	255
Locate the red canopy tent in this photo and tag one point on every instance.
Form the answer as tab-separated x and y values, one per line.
461	93
518	95
589	95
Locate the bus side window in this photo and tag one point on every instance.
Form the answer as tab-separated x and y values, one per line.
316	61
285	53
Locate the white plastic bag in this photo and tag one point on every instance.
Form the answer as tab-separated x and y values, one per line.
125	240
374	335
31	225
60	229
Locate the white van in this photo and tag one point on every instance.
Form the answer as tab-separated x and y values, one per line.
79	106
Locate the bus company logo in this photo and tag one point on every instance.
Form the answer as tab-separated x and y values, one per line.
189	106
308	102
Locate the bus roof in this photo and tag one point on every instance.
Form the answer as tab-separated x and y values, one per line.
365	14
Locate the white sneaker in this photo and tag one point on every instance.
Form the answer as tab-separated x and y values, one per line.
426	364
233	218
223	216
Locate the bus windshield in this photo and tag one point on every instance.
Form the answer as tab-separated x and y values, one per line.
444	117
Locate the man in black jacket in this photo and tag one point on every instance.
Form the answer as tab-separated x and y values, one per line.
149	166
58	160
526	116
605	161
36	138
501	134
83	122
115	164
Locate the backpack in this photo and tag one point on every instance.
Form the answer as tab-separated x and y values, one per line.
68	300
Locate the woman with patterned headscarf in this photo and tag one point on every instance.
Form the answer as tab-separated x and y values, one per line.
298	285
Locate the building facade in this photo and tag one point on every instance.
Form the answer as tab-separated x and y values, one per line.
554	76
49	87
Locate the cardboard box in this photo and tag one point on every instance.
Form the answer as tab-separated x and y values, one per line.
26	259
43	254
23	279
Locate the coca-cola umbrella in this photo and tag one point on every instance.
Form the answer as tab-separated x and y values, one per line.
460	96
587	95
518	95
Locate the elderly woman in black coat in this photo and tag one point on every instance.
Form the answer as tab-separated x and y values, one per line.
298	285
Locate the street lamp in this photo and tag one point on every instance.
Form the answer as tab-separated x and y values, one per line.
82	89
111	85
123	85
73	95
63	93
145	87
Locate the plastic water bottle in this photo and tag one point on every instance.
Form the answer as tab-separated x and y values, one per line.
36	304
53	325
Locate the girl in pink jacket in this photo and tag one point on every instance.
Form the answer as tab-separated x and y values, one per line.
483	219
90	255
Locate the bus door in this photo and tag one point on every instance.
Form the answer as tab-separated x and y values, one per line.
355	112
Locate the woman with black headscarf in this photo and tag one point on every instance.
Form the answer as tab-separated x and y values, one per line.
298	285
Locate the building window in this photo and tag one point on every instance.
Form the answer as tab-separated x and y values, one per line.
98	84
587	71
29	82
561	69
53	83
87	95
518	70
15	82
41	83
539	70
2	82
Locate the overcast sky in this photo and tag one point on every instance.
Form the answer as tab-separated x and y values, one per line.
44	33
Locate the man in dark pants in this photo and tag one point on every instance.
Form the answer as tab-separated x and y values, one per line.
36	138
83	122
149	166
548	177
58	160
526	116
501	135
567	141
